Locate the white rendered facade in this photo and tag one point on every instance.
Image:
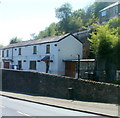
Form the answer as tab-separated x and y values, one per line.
0	58
68	47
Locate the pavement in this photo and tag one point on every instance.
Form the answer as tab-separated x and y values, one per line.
110	110
15	107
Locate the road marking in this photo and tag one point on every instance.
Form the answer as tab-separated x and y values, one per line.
2	106
23	113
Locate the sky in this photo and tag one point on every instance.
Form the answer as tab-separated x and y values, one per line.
22	18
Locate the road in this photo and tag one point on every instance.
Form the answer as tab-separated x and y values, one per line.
14	107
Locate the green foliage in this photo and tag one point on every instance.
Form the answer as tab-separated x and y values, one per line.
103	42
114	25
114	22
42	34
64	11
15	40
52	30
74	24
72	21
117	54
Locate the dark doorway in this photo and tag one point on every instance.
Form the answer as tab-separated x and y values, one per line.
19	65
7	65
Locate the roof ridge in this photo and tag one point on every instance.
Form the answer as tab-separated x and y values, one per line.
36	41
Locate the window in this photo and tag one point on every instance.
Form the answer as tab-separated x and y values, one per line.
3	53
47	49
19	51
104	13
7	53
34	49
33	65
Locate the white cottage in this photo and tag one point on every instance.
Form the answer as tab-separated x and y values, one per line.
42	55
0	58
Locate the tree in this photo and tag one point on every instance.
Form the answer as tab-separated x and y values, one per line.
15	40
104	44
77	20
52	30
63	13
114	22
117	54
75	23
72	21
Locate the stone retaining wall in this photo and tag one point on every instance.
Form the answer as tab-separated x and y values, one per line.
59	86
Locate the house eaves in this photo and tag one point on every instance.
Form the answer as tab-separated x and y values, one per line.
51	39
110	6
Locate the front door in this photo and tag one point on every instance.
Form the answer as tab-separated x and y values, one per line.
7	65
70	69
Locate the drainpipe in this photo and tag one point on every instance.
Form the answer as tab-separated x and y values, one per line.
78	66
12	56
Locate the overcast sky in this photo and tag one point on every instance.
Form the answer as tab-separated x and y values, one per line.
23	17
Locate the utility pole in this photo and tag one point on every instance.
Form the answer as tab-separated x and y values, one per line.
78	66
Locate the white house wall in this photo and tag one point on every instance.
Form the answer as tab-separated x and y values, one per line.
10	53
0	58
5	55
54	54
27	54
69	48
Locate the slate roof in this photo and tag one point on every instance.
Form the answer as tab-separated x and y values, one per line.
38	41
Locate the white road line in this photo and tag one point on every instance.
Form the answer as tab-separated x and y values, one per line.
2	106
23	113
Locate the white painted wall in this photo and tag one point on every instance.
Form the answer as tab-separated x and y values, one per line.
27	54
0	58
67	48
5	55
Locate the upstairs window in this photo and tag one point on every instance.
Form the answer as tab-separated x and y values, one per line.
19	53
47	49
33	65
34	49
104	13
7	53
3	53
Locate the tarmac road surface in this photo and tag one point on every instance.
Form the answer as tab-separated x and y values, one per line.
14	107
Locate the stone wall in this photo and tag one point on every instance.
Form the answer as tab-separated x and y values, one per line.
59	86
